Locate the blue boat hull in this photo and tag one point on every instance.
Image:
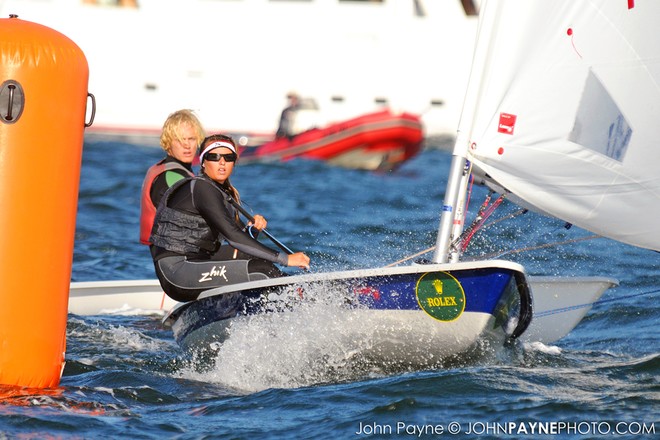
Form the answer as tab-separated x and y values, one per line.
461	303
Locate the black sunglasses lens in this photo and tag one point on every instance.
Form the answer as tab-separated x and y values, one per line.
215	157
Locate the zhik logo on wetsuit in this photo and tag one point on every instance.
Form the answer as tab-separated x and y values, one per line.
214	272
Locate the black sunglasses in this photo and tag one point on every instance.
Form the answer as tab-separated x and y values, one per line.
215	157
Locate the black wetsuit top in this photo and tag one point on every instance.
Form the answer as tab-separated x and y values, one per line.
207	200
165	180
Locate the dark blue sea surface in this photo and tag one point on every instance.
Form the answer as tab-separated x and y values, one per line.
125	377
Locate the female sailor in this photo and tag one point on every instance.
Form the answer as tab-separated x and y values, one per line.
199	241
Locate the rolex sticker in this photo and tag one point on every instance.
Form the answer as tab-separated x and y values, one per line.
440	295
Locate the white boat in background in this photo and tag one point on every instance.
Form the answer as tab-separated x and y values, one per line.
234	61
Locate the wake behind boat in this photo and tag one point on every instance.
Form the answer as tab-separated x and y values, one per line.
377	141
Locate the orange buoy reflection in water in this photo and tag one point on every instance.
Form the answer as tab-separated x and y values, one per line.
12	396
43	94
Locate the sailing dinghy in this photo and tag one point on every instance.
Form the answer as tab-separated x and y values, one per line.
416	315
573	297
560	117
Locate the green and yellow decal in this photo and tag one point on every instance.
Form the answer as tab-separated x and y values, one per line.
440	295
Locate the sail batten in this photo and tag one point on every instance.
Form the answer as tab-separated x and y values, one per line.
568	118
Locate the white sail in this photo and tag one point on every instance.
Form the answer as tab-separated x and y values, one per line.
568	111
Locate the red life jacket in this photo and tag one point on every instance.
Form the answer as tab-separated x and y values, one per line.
147	207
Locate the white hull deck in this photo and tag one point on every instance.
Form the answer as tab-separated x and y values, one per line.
559	302
110	297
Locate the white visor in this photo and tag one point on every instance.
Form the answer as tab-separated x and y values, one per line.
216	145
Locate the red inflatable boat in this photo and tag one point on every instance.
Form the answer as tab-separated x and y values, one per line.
378	141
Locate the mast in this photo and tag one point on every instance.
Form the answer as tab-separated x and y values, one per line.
450	205
451	220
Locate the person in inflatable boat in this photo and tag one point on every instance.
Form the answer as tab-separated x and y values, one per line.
288	117
181	135
199	241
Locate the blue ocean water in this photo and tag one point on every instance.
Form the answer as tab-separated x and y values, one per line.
125	377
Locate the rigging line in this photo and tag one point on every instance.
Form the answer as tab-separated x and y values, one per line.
469	193
479	218
542	246
427	250
466	237
481	210
499	254
506	217
411	256
581	306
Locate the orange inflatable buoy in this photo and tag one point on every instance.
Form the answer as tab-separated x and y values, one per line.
43	96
